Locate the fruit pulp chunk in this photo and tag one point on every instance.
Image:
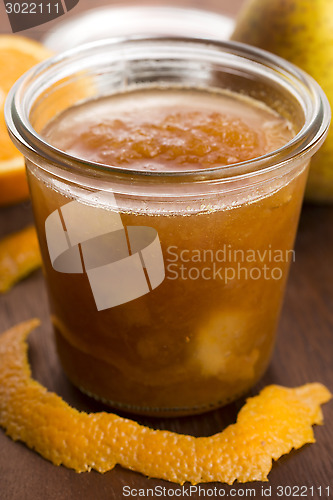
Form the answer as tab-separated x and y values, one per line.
204	335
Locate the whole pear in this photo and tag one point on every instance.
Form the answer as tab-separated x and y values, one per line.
300	31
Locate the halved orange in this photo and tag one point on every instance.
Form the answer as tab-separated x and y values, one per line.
17	55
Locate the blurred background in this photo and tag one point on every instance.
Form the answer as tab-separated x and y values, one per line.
219	6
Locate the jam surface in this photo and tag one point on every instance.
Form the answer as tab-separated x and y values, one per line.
169	130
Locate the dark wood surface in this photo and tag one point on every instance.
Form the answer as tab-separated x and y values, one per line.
304	353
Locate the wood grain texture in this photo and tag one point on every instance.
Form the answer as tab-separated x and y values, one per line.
304	353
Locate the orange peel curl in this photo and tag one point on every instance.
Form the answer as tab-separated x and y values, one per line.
268	426
19	256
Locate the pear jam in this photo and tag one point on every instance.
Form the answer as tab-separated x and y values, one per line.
203	335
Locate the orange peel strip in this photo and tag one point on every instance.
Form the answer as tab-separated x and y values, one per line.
268	426
19	256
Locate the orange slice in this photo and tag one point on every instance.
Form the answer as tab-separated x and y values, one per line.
17	55
268	426
19	256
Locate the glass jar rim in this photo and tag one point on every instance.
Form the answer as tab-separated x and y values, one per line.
303	145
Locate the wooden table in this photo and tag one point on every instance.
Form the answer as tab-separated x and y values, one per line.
304	353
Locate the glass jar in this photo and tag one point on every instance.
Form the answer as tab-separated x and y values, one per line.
156	306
